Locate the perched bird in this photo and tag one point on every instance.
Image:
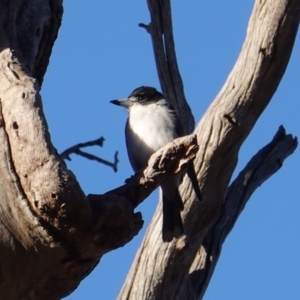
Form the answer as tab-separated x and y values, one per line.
151	124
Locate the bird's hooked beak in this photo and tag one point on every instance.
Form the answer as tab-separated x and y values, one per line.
126	103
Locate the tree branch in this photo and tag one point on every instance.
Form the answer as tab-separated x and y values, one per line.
262	166
221	132
113	211
51	234
48	227
47	32
98	142
161	31
169	160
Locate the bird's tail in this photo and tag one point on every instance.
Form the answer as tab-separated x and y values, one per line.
172	222
172	205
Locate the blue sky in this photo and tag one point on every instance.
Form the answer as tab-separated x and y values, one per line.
102	54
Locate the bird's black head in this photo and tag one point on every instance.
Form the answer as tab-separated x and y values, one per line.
145	95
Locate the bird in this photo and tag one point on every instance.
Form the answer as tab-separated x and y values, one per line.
151	124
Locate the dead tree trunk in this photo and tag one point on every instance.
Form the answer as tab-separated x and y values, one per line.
182	269
52	235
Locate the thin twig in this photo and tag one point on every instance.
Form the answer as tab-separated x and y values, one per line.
98	142
146	27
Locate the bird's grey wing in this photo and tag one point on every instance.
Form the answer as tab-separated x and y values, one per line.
177	124
191	170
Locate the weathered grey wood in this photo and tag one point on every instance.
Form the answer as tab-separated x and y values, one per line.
182	269
51	234
161	32
263	165
37	191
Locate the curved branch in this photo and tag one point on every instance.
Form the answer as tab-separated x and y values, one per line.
161	31
48	227
113	211
221	132
168	160
48	34
262	166
98	142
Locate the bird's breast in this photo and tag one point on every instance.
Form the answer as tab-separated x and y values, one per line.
148	129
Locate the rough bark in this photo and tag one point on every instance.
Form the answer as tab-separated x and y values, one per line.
182	269
51	234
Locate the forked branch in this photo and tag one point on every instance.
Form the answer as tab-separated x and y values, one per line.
181	269
76	149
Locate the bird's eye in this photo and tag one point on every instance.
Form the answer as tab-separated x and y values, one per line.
141	97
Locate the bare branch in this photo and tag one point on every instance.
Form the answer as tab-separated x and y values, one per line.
146	27
50	229
114	211
98	142
221	132
169	160
48	226
262	166
161	31
47	33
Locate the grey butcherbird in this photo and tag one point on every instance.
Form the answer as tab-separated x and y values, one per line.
152	123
